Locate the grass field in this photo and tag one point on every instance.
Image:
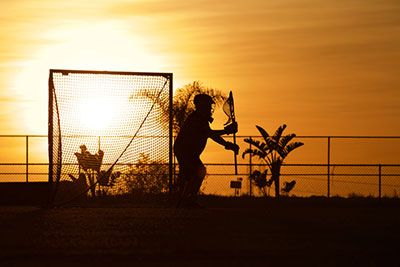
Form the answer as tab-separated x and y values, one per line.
229	232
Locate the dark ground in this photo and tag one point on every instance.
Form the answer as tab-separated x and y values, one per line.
229	232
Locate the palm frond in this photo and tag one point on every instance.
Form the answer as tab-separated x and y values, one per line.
281	147
278	133
270	143
293	146
265	148
254	152
263	132
252	142
247	151
290	148
259	146
281	152
286	139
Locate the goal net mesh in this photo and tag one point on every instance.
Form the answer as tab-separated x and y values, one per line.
105	130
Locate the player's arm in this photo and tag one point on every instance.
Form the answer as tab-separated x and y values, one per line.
229	129
215	135
228	145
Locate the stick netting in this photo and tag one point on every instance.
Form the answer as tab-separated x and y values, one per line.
102	126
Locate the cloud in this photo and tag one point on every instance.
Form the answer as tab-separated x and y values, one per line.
263	30
8	99
315	50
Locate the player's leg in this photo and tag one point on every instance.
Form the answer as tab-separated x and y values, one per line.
197	182
182	183
192	186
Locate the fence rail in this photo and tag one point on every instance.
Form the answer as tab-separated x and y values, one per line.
23	158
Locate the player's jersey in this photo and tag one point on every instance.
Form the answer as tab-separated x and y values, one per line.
193	135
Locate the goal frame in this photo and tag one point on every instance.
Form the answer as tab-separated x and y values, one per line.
52	103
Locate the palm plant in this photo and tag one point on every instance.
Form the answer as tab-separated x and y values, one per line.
273	150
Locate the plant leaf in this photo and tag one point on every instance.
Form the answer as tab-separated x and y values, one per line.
293	146
286	139
278	133
263	132
261	147
254	152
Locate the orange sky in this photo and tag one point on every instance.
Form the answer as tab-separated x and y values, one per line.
322	67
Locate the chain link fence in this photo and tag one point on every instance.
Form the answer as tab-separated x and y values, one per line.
325	166
349	180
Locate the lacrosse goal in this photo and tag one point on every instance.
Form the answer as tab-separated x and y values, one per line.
101	123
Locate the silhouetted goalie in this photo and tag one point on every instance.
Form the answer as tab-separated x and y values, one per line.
189	145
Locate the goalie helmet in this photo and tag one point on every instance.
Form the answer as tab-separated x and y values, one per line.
202	99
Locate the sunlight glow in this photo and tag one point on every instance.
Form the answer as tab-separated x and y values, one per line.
95	46
94	115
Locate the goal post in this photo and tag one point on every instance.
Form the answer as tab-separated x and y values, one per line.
108	127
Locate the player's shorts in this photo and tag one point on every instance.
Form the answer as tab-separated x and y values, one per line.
191	169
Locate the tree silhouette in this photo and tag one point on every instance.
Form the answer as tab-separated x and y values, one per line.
182	102
273	151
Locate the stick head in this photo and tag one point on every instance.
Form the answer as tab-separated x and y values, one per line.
229	109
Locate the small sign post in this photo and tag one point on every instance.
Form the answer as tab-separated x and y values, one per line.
236	185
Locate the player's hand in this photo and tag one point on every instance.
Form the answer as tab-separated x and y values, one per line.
231	128
232	146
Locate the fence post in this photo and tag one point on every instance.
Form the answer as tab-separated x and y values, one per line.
329	166
250	170
171	134
380	180
173	171
27	158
